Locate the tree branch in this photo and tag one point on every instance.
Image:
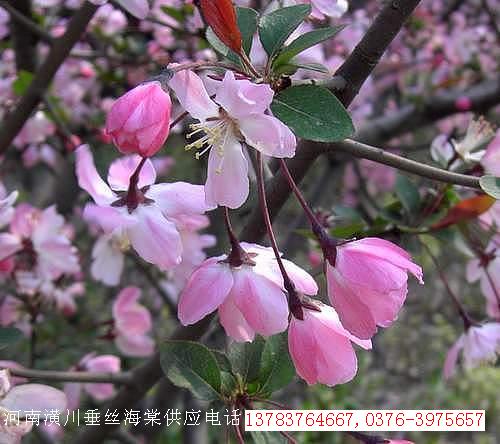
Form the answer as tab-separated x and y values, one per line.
72	376
379	155
43	77
24	43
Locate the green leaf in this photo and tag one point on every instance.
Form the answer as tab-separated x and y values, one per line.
245	358
222	360
22	82
228	383
276	27
9	336
408	194
291	68
313	113
247	22
193	366
276	368
176	14
490	185
305	41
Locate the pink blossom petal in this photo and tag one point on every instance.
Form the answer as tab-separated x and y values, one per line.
241	98
89	179
9	245
193	96
262	302
108	218
234	323
136	346
268	135
138	8
227	177
179	201
302	347
354	313
450	362
155	238
122	168
27	397
107	264
206	289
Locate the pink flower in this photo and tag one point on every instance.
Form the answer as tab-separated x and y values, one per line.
23	398
249	297
132	322
326	8
321	347
147	215
41	235
368	284
237	115
98	391
139	121
479	344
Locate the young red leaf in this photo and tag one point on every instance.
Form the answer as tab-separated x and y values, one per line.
465	210
220	15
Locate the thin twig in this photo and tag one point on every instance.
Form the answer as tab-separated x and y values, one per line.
379	155
72	376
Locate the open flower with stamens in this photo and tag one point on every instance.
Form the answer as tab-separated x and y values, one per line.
132	206
248	292
237	115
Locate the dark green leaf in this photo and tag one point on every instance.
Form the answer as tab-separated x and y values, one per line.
222	360
22	82
193	366
305	41
313	113
276	368
408	194
276	27
490	185
228	383
317	67
247	22
9	336
245	358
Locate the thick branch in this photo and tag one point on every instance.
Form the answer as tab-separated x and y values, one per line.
379	155
24	42
52	375
57	55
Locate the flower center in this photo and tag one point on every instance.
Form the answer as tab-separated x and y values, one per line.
216	131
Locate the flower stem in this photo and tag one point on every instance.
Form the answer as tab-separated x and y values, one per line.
293	298
327	243
467	320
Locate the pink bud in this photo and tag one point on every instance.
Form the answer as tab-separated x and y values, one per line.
463	103
139	121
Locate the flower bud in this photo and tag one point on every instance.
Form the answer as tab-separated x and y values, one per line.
139	121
